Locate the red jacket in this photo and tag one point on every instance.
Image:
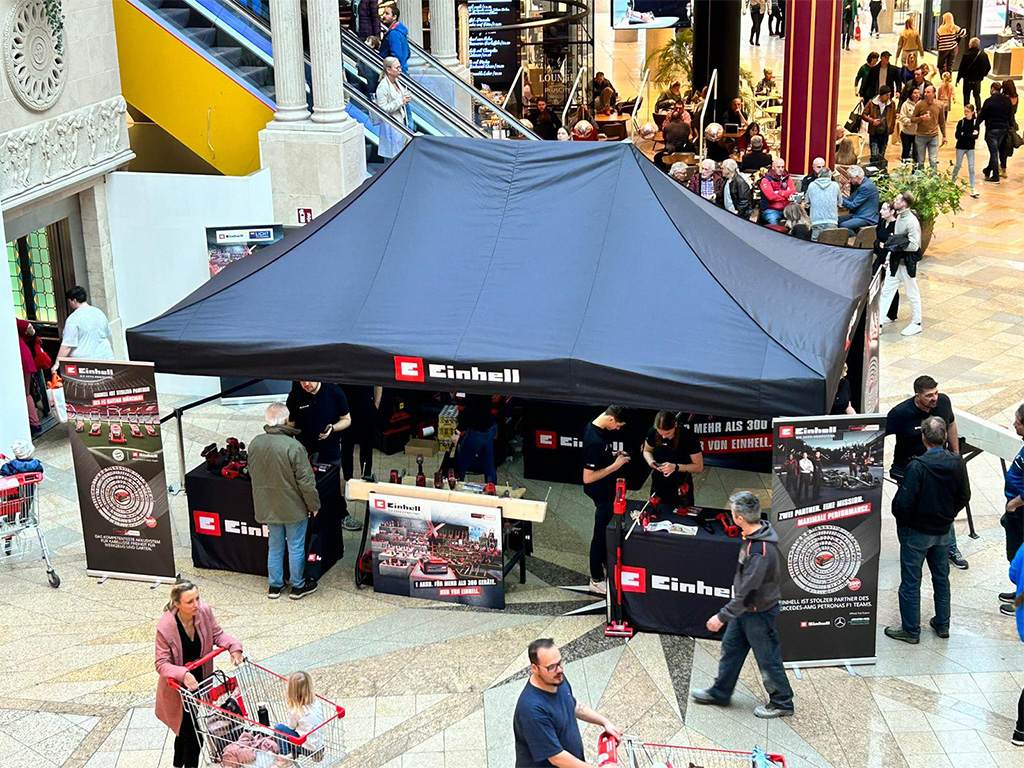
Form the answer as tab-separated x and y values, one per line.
776	192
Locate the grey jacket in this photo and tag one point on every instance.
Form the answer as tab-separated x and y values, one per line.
907	224
823	198
283	485
755	586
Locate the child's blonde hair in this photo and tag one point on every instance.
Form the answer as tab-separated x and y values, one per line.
947	77
300	690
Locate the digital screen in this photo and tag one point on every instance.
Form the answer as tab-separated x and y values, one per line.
493	56
993	16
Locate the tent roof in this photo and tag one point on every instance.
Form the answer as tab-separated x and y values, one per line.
566	271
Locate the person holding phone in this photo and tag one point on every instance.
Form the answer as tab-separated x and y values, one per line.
600	465
673	452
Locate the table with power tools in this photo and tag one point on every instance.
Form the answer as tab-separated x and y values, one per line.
673	582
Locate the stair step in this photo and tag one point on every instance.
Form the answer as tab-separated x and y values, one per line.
227	55
206	36
256	75
177	16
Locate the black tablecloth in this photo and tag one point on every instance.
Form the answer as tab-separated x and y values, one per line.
672	584
226	536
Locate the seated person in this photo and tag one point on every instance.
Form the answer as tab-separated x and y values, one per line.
777	192
678	172
737	194
677	137
305	716
734	114
847	156
669	99
708	183
601	82
24	460
816	165
545	121
862	202
604	102
716	146
743	142
756	158
582	113
798	223
673	452
767	83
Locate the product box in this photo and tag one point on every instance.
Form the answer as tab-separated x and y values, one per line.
426	446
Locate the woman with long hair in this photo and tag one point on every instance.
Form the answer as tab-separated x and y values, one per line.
1006	148
604	102
909	42
673	453
908	129
947	41
743	142
185	633
798	222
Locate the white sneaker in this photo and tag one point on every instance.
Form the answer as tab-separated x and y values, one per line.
886	321
911	330
598	588
974	192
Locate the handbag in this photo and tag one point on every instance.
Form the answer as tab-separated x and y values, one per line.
43	361
1013	139
853	123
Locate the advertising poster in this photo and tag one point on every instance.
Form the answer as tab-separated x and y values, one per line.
744	444
826	509
113	420
437	550
493	56
224	246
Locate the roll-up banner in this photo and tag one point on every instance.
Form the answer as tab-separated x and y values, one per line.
114	423
826	509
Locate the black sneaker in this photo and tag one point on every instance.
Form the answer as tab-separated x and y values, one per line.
943	633
1007	597
958	560
1018	738
897	633
1007	609
300	592
274	592
349	523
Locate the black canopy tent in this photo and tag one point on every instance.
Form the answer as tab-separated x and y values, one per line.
563	271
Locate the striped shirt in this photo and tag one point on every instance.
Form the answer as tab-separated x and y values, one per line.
947	41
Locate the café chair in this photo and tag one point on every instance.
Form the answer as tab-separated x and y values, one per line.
865	238
835	236
614	131
676	157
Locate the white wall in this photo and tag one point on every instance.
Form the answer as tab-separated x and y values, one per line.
13	413
158	237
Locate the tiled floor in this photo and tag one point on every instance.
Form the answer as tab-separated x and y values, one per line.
427	685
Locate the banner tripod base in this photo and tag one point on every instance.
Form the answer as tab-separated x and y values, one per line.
850	669
618	628
797	672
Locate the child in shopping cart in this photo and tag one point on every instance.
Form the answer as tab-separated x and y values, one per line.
24	460
305	715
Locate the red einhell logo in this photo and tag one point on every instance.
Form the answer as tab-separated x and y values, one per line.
415	369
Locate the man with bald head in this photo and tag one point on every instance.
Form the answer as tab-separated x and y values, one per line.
777	191
817	164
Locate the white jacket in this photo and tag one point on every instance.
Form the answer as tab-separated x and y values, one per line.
389	98
304	720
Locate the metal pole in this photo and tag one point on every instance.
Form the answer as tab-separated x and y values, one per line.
181	452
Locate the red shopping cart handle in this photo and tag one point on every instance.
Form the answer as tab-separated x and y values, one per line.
207	658
606	750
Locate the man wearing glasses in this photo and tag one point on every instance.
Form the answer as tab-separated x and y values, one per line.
546	714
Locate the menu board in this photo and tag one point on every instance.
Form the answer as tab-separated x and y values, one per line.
493	56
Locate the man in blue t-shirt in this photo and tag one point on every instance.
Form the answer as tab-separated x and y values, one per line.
1013	516
546	714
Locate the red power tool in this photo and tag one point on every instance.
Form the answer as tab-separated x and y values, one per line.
732	531
421	479
618	626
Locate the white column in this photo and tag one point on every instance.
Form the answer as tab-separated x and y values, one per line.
463	23
14	414
411	14
289	77
327	65
442	31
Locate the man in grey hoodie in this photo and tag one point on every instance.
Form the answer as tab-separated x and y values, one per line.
749	617
823	199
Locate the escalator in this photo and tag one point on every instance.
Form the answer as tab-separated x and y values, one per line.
203	71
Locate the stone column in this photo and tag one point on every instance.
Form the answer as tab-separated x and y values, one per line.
411	14
289	77
810	104
442	36
327	64
463	22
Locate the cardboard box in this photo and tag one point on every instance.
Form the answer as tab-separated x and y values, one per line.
427	447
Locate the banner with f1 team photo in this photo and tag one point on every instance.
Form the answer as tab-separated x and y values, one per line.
826	509
114	423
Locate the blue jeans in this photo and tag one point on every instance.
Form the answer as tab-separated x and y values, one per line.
772	216
284	746
915	548
753	631
476	454
879	142
994	138
960	155
295	533
927	146
855	223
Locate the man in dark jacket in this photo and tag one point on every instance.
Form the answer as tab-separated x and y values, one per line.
974	67
737	196
997	115
881	74
545	121
284	496
749	618
931	495
707	182
367	18
1013	514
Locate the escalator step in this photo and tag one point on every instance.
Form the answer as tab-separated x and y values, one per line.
206	36
228	55
177	16
169	4
257	75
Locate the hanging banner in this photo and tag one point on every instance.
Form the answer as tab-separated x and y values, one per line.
826	509
437	550
114	423
744	444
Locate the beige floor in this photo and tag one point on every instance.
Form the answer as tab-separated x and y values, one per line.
425	685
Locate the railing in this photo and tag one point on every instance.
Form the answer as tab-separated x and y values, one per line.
569	95
512	88
712	94
639	99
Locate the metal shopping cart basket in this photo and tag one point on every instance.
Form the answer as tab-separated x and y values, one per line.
235	712
19	520
631	752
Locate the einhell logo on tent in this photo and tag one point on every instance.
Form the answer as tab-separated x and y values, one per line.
633	579
414	369
546	439
207	522
785	431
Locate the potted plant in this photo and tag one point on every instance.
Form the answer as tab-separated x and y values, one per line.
935	192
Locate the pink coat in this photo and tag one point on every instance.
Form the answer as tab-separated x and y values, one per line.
169	658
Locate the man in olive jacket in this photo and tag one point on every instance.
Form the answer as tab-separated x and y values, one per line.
284	496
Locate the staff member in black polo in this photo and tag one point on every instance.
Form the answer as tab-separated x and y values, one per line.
320	412
673	452
599	467
904	421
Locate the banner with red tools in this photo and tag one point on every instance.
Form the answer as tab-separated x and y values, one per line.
826	509
114	423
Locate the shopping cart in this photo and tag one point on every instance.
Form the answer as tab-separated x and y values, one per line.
236	713
19	520
631	752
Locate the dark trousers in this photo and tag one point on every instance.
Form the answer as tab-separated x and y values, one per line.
805	485
1013	525
915	549
476	454
848	25
879	143
756	17
994	139
779	17
975	90
946	59
603	513
1020	713
188	745
909	147
876	8
753	631
350	438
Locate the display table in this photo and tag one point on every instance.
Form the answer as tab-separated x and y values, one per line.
672	584
224	531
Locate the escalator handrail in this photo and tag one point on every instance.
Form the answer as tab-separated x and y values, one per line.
417	50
